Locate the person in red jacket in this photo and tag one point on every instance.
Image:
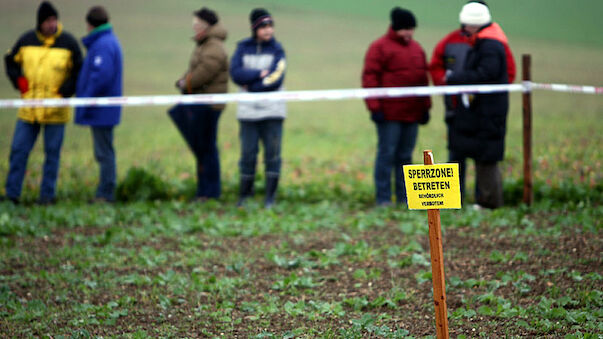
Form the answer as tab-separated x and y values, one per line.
450	53
477	53
395	60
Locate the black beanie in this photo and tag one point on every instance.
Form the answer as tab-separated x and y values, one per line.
207	15
258	18
97	16
402	19
45	11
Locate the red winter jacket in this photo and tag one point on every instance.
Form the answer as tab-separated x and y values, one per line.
391	62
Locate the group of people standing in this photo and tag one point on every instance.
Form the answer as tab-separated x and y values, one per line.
257	65
477	53
46	62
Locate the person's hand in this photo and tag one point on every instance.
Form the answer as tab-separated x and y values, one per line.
378	117
263	73
23	84
181	85
425	118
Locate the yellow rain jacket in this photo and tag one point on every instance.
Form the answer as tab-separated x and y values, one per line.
50	65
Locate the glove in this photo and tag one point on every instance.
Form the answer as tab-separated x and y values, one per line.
467	99
448	75
23	84
424	119
378	117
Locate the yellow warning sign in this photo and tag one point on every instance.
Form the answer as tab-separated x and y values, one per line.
430	187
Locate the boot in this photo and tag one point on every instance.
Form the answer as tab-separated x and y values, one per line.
245	190
271	185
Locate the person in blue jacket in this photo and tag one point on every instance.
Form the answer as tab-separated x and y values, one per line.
101	76
258	65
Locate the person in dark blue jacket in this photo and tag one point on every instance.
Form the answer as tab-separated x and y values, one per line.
101	76
258	65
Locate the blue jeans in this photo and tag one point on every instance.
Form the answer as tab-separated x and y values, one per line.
104	153
396	142
23	141
270	131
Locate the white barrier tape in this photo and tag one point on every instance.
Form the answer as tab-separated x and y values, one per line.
334	94
568	88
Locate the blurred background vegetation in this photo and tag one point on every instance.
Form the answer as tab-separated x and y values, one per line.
326	144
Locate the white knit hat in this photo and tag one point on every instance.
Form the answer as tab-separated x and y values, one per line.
475	14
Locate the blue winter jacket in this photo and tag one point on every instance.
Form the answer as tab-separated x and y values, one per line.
248	61
100	76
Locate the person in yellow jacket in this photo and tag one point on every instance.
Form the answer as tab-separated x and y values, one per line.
44	63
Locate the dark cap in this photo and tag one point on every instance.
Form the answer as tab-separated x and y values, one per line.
402	19
207	15
259	17
45	11
97	16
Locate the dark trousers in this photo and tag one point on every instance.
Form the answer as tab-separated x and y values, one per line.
488	180
24	139
198	124
104	153
207	156
489	188
270	132
462	161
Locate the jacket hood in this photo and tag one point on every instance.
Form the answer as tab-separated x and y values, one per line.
494	32
215	31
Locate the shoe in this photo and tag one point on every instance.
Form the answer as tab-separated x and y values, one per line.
46	201
15	201
477	207
384	204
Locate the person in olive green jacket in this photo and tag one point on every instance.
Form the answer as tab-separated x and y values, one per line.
207	73
44	63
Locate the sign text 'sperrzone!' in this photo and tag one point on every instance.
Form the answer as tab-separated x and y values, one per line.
432	186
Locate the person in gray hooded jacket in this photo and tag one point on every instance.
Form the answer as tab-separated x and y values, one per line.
258	65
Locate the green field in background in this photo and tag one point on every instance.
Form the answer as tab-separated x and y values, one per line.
325	44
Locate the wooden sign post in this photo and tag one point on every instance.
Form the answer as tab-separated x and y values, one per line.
433	187
437	264
528	195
